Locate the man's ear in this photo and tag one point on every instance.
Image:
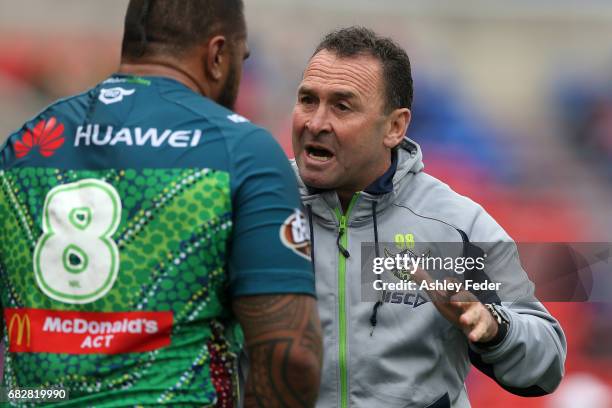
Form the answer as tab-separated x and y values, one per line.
216	57
397	125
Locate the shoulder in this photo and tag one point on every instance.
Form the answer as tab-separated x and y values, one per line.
69	109
244	141
430	197
203	109
66	110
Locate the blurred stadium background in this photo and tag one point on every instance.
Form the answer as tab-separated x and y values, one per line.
513	107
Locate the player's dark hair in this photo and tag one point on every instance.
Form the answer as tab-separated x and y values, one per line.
174	26
355	41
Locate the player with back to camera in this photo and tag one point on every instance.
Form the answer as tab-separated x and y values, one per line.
362	181
143	224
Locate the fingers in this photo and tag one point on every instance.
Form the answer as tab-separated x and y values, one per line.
471	324
478	333
462	308
478	324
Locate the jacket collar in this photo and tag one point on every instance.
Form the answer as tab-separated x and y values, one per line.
408	161
384	184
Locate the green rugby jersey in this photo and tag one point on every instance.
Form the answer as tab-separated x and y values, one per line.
130	216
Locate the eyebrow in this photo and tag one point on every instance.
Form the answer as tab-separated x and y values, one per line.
305	90
336	94
345	95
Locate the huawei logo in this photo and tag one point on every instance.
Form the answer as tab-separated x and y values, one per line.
46	135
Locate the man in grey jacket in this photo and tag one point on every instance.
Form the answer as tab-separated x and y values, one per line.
362	181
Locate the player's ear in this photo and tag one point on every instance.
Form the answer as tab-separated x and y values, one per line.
397	124
216	57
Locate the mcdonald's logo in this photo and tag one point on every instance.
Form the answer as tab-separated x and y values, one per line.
75	332
23	326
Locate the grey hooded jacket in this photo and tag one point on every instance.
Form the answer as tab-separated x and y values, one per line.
406	354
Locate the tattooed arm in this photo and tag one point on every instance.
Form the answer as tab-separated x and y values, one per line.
283	339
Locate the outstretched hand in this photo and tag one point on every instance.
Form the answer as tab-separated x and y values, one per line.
463	310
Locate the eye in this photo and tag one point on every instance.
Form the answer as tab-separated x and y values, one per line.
343	107
306	99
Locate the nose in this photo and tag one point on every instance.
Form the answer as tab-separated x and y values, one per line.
318	122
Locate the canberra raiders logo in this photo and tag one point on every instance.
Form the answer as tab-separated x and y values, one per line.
295	234
404	274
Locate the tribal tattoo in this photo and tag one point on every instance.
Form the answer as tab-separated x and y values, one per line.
283	337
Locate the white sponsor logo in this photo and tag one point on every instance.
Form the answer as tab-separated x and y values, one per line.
112	95
115	81
101	135
99	334
295	234
82	326
236	118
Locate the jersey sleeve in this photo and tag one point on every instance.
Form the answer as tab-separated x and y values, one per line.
270	248
4	151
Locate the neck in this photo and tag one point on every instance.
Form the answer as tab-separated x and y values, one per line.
345	198
165	68
345	195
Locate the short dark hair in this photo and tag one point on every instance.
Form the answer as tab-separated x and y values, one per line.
354	41
173	26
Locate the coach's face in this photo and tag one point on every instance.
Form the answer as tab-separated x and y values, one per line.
339	125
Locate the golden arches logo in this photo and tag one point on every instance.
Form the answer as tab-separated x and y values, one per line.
23	325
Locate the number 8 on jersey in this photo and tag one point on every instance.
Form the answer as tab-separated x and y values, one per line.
76	259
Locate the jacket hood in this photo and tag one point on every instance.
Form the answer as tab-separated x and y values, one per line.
323	203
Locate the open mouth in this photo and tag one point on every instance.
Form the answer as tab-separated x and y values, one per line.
319	153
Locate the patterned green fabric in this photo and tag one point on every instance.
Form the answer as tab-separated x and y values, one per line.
172	237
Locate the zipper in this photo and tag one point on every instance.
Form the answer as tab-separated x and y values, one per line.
343	254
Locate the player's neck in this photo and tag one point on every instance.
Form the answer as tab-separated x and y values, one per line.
164	69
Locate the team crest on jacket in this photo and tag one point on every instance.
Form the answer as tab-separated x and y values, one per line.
404	274
295	234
